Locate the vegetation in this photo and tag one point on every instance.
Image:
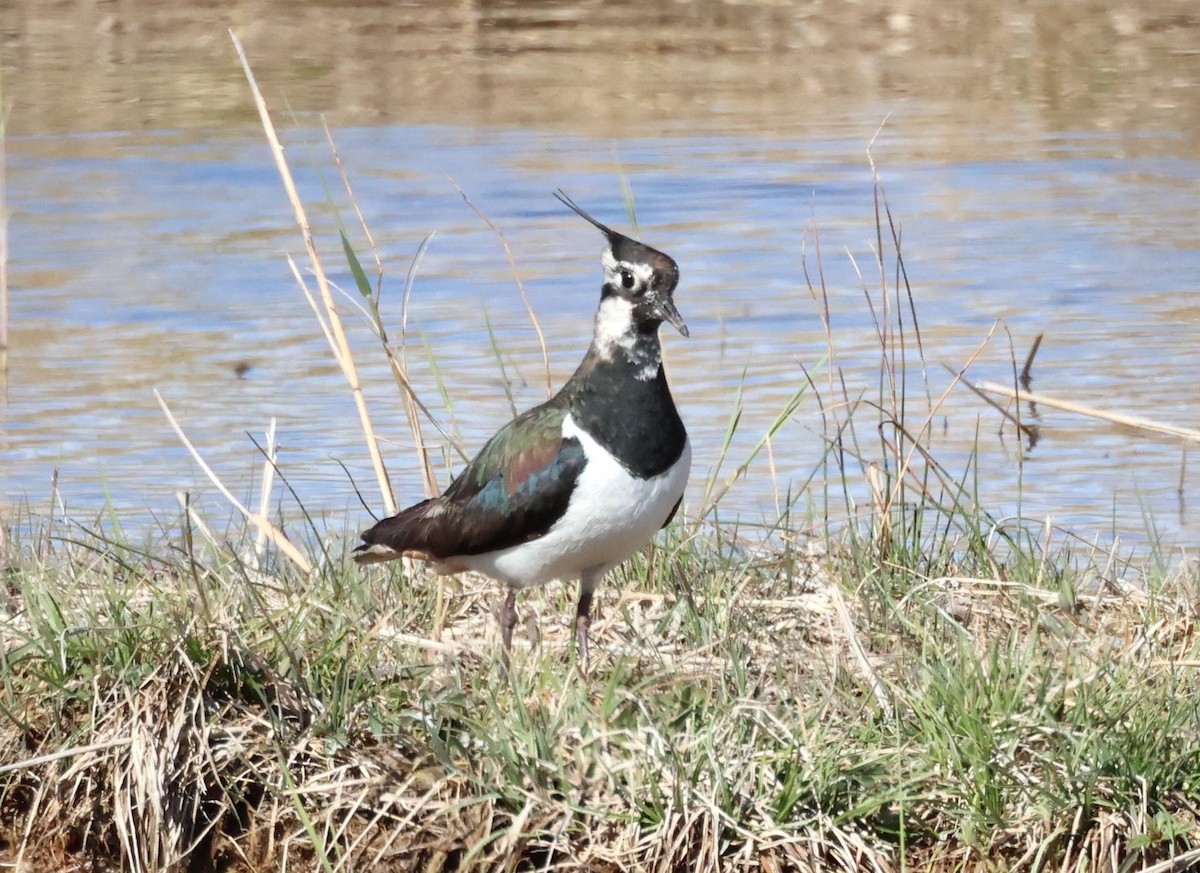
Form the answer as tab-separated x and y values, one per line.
890	678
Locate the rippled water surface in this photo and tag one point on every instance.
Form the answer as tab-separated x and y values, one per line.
1044	173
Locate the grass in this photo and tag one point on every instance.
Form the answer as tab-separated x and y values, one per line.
889	678
807	707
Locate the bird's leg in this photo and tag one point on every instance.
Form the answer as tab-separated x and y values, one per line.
508	620
583	618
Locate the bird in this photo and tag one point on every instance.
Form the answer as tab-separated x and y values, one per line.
572	488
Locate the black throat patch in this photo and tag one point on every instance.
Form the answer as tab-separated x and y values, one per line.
633	419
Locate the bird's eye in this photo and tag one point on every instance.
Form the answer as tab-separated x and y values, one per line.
627	280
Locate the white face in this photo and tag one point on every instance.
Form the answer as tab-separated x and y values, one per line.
617	333
614	322
631	278
630	300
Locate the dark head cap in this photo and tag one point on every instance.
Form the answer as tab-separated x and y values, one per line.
644	276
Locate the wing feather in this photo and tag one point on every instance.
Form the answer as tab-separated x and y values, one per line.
512	492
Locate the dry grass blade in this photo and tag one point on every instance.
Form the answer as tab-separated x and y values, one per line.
3	243
398	363
362	221
1030	432
537	326
65	753
916	447
1091	411
1026	377
264	498
345	357
878	690
259	521
1175	865
412	402
399	367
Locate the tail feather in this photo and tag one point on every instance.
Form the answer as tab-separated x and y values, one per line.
413	533
375	554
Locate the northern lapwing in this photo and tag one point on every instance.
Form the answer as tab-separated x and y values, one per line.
575	486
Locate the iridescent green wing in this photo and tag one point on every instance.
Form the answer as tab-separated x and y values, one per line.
516	487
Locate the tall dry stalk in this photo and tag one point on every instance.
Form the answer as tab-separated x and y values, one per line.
3	240
512	262
258	519
341	345
398	363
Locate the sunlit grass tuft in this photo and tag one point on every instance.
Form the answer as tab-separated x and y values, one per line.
743	705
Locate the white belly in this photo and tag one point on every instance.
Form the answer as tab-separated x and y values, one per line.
610	516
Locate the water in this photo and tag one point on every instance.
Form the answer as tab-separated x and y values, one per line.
149	230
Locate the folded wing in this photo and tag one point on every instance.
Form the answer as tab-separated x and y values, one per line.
512	492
